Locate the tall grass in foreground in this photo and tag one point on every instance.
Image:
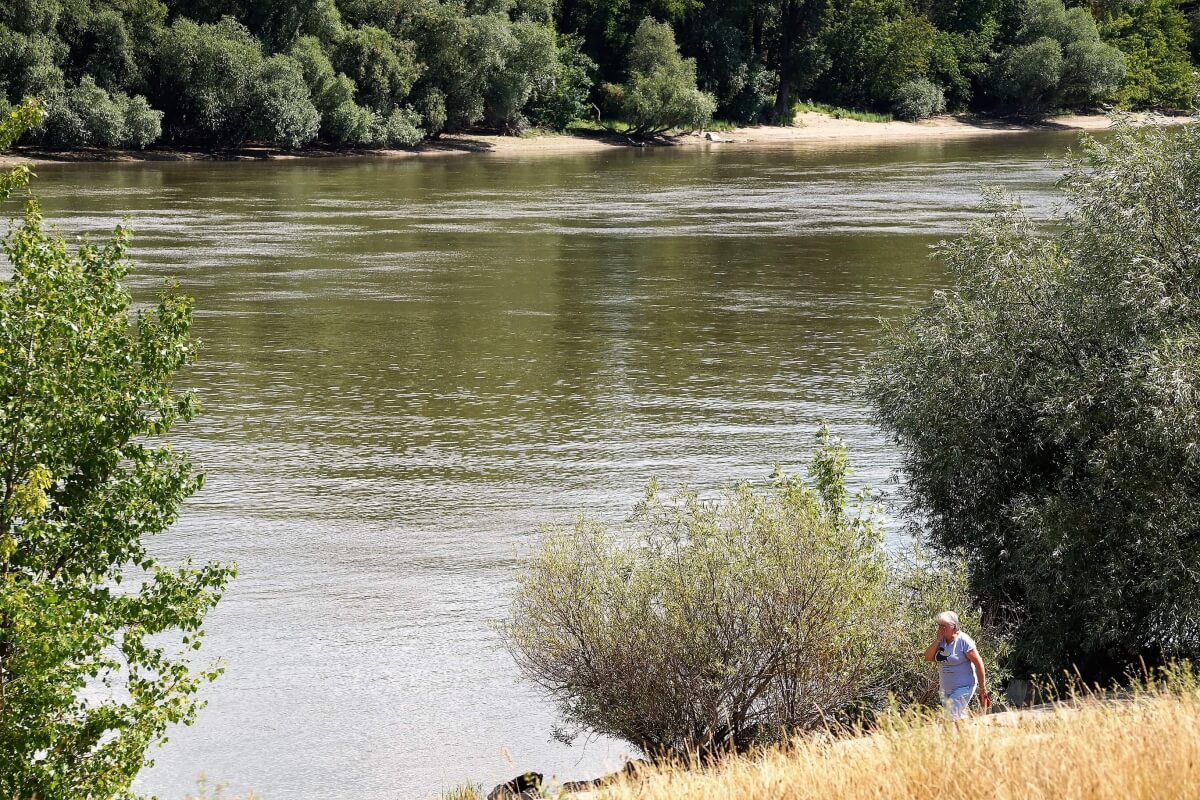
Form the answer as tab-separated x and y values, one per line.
1144	747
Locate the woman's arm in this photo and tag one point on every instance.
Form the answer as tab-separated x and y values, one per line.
973	656
931	651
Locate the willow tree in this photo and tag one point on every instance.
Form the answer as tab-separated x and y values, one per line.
1047	406
94	630
707	626
661	94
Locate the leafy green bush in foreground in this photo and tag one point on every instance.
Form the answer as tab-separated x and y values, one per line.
1047	406
93	628
709	626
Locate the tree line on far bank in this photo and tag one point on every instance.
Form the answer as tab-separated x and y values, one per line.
362	73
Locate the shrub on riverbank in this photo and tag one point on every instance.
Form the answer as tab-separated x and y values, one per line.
87	116
720	625
1047	405
1144	749
1056	58
918	99
661	94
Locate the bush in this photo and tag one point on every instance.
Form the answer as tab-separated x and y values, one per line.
565	98
28	65
1028	76
873	47
1046	407
383	69
108	51
457	55
918	99
349	123
143	124
62	128
433	108
401	127
342	121
205	80
718	625
611	98
102	119
1056	58
284	112
488	67
1092	71
529	65
661	94
217	84
751	93
87	116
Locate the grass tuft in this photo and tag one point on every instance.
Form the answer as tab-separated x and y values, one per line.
464	791
592	126
721	125
840	113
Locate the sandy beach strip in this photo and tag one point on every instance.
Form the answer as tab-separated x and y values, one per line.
810	128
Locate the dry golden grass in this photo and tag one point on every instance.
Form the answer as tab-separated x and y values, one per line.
465	791
1144	748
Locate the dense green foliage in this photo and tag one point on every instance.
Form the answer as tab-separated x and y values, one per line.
917	99
89	619
1056	58
1048	405
1154	36
661	93
705	626
126	73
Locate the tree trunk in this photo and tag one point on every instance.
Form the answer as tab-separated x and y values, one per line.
788	34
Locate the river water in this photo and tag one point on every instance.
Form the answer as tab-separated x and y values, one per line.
408	365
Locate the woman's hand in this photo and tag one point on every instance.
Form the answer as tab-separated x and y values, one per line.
985	699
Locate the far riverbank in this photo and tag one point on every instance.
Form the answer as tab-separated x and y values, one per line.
810	128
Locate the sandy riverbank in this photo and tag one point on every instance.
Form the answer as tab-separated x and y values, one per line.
810	128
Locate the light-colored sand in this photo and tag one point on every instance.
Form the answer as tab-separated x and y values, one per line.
814	127
811	128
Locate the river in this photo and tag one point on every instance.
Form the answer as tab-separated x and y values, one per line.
408	365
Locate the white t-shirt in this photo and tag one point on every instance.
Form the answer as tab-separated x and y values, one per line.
956	671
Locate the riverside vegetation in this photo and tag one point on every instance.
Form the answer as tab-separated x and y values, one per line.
365	73
710	627
1046	406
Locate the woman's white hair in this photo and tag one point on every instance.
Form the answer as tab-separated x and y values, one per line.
947	617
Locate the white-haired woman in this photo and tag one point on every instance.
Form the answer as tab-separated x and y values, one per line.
960	669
